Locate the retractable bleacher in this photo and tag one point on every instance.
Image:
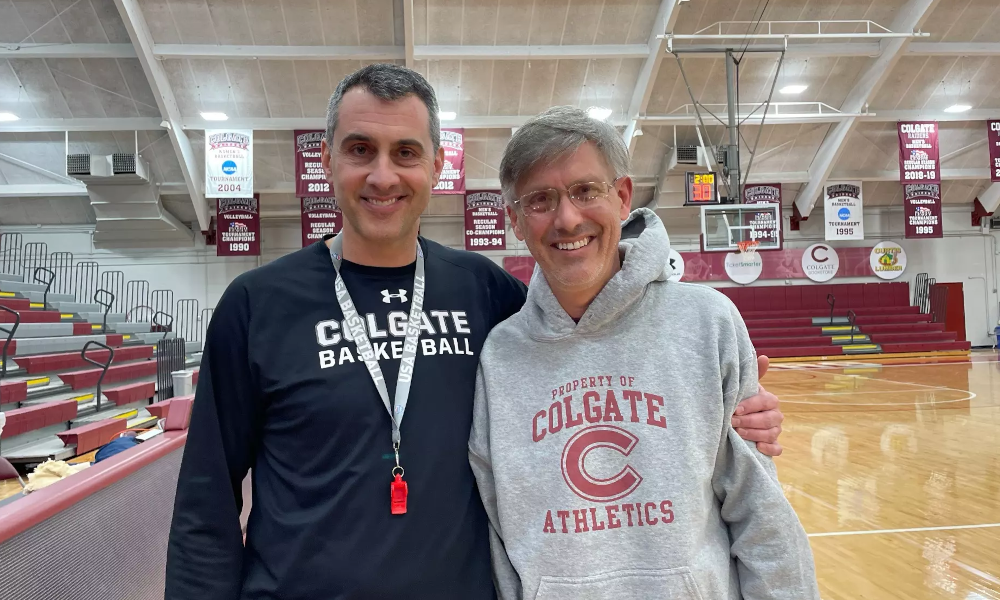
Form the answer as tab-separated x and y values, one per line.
839	319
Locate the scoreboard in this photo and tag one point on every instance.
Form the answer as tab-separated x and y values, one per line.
701	188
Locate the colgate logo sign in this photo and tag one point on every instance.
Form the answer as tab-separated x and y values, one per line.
574	468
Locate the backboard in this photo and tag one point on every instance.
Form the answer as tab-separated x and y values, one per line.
724	226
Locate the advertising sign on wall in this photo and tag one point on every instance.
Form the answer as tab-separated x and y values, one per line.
744	268
922	202
310	181
485	223
228	163
888	260
452	180
320	216
843	211
918	152
820	262
238	227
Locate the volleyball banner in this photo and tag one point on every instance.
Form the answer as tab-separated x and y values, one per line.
993	140
485	223
843	206
238	227
310	181
918	152
228	163
320	217
452	180
922	202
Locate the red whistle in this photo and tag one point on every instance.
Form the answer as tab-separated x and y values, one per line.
397	493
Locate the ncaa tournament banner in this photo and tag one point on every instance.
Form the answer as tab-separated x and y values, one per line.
918	152
228	163
923	210
993	141
842	204
452	180
485	222
237	227
320	216
763	223
310	181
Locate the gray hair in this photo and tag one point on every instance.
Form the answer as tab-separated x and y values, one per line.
388	82
551	134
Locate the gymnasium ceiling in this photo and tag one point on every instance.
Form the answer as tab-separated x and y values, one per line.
85	67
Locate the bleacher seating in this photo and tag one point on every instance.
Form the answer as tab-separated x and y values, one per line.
796	321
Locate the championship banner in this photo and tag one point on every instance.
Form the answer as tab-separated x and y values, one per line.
452	180
228	163
310	181
238	227
320	216
762	223
844	218
918	152
485	223
993	141
923	210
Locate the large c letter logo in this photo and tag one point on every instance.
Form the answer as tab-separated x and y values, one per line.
816	258
575	472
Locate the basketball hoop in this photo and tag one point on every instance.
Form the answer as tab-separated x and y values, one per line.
748	246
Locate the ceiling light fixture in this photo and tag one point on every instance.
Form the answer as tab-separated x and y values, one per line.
447	115
957	108
599	113
214	116
793	89
6	117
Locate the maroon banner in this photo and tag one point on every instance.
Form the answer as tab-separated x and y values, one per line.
993	140
238	226
320	216
918	152
310	181
711	266
485	223
763	223
452	180
923	210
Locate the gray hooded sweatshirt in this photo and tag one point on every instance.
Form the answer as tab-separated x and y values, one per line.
604	451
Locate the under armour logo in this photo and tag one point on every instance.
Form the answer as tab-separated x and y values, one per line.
386	296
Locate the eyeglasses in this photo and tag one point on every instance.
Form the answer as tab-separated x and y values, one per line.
584	195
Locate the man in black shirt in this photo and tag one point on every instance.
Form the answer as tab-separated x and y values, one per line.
285	389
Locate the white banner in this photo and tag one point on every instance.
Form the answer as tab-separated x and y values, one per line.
843	204
228	163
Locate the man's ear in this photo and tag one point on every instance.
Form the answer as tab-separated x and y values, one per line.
624	191
514	223
438	166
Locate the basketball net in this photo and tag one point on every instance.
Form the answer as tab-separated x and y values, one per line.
748	246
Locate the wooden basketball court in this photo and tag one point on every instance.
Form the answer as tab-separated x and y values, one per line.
894	471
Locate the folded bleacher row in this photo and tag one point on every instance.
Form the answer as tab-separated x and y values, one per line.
839	319
74	375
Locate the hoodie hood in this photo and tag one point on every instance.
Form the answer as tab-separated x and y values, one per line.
644	250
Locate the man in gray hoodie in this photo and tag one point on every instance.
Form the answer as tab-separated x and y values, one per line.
602	441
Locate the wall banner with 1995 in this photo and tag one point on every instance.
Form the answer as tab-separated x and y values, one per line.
922	202
237	227
485	223
843	214
918	152
228	163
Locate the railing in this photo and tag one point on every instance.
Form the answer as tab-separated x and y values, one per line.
47	282
938	303
33	255
162	301
160	325
921	289
105	299
104	366
10	253
187	320
85	276
206	319
136	295
61	265
10	336
832	301
136	314
170	357
113	282
852	319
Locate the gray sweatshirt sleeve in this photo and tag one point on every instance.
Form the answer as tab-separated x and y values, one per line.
505	578
774	560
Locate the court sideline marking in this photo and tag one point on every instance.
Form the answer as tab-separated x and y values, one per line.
903	530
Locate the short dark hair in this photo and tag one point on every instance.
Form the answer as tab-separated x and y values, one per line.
388	82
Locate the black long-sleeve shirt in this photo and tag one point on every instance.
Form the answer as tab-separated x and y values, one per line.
282	392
